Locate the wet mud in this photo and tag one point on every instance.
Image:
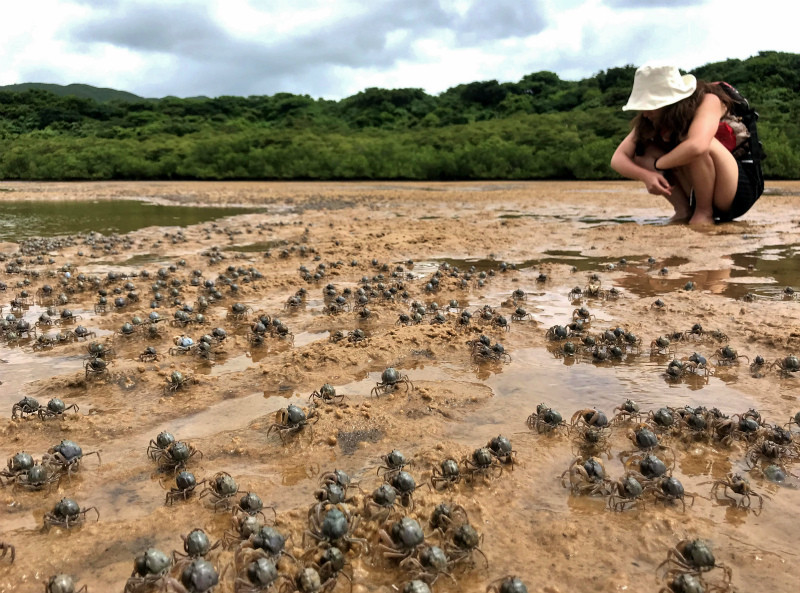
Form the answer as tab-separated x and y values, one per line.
485	241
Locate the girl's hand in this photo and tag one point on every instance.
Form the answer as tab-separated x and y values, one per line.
658	185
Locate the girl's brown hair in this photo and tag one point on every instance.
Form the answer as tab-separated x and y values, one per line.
674	120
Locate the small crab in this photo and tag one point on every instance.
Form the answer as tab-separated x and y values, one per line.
177	380
694	556
740	486
381	503
36	477
66	457
482	463
358	337
627	411
326	394
175	456
507	584
661	346
392	463
185	485
149	355
448	474
337	529
546	419
426	567
727	355
670	489
67	513
626	493
96	367
403	539
150	570
26	406
63	583
787	365
390	380
501	448
557	332
586	477
293	419
56	409
461	541
221	488
589	418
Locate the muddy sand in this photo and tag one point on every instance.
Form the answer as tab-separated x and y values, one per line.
539	239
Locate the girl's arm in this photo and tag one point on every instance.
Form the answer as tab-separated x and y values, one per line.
624	163
701	132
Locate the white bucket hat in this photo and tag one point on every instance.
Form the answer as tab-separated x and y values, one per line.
656	86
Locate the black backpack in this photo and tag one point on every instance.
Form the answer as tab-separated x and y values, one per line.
751	148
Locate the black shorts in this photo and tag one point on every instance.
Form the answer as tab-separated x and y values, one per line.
749	189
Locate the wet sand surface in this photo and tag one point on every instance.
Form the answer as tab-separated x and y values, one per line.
553	236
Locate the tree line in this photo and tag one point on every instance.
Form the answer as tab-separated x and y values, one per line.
541	127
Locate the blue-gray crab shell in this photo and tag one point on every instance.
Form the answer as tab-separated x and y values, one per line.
390	376
200	576
652	467
179	451
416	586
262	572
384	495
404	483
269	539
672	487
251	503
513	585
69	450
164	439
60	583
225	485
152	562
196	543
699	554
335	525
20	462
646	438
450	468
295	415
185	480
434	557
407	532
66	508
500	445
594	469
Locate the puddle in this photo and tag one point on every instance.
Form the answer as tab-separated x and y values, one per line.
255	247
24	219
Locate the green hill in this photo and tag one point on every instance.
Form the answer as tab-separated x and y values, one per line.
83	91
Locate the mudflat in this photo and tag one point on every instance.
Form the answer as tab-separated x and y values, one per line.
521	259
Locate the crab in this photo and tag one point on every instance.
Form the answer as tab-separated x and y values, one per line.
787	365
582	313
727	355
661	346
337	529
67	513
358	337
381	503
251	504
96	367
176	381
185	485
149	354
36	477
448	474
221	488
545	420
586	477
56	409
175	456
150	570
507	584
495	353
259	576
589	418
18	464
557	332
292	420
239	312
461	542
66	457
330	565
183	345
482	463
263	542
693	556
627	411
501	448
195	545
669	489
392	463
403	538
520	314
739	485
63	583
426	567
626	493
769	449
26	406
391	380
326	394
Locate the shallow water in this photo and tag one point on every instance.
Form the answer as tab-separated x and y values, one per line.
23	219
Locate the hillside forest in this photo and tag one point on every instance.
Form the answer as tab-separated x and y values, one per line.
541	127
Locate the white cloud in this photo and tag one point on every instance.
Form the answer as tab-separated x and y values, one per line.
335	48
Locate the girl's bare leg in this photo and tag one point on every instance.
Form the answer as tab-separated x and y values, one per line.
714	177
679	198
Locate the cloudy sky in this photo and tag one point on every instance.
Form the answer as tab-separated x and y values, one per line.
336	48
